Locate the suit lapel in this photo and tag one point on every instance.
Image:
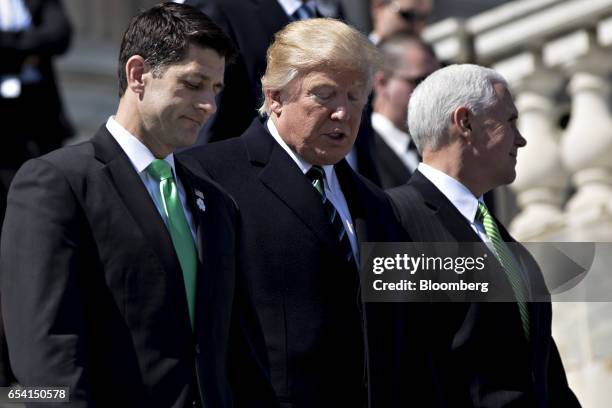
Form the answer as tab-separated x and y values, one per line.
540	313
457	226
448	214
205	207
283	177
351	188
140	206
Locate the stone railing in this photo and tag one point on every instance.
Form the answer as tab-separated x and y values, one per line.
557	57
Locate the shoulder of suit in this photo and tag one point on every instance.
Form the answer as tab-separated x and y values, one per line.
405	195
73	158
218	156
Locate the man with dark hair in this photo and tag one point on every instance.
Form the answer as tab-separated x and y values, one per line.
408	61
118	260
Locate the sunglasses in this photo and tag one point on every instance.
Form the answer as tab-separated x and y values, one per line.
412	81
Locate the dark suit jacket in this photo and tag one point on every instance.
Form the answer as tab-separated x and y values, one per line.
251	24
391	169
92	290
306	296
49	36
479	355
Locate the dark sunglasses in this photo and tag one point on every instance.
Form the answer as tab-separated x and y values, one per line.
412	81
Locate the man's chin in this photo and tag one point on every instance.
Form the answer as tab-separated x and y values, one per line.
325	159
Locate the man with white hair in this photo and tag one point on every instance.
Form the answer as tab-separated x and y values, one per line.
463	121
304	212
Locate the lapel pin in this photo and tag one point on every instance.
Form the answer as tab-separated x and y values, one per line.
198	193
200	204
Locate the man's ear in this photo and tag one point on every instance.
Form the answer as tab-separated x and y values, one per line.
274	101
135	68
379	82
462	119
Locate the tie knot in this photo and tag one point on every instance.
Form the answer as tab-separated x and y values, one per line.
316	175
159	170
482	212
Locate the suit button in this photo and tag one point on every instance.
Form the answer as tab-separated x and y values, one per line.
197	349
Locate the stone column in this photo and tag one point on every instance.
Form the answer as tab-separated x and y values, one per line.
586	148
541	177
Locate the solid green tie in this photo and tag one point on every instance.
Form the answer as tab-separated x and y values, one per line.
179	228
506	259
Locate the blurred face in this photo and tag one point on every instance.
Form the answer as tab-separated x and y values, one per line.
318	114
401	15
497	140
417	64
177	103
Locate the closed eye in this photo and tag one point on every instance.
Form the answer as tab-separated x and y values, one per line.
192	85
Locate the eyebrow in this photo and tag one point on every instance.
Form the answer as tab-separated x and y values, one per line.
201	76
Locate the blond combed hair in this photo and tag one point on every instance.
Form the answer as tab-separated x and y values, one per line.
316	44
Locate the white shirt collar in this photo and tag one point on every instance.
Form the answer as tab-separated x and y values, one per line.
302	164
455	191
397	139
136	151
290	6
374	38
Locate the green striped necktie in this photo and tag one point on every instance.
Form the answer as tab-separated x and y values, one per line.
179	228
507	261
316	175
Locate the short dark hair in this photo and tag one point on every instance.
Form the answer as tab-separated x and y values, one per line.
162	36
393	46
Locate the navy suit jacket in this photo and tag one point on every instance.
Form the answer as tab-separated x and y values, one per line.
324	345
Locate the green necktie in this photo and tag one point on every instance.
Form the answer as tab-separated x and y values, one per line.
179	228
316	175
506	259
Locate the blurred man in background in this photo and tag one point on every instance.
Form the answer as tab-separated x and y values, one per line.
33	120
394	16
408	61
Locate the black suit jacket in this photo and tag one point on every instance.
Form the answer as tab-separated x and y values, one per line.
478	353
92	290
306	296
251	24
391	169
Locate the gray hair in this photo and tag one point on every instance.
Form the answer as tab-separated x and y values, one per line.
314	44
433	102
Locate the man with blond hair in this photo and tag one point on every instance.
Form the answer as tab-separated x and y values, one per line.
304	213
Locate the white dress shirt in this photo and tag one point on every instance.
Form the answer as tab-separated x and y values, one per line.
333	192
140	157
396	139
459	195
14	16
